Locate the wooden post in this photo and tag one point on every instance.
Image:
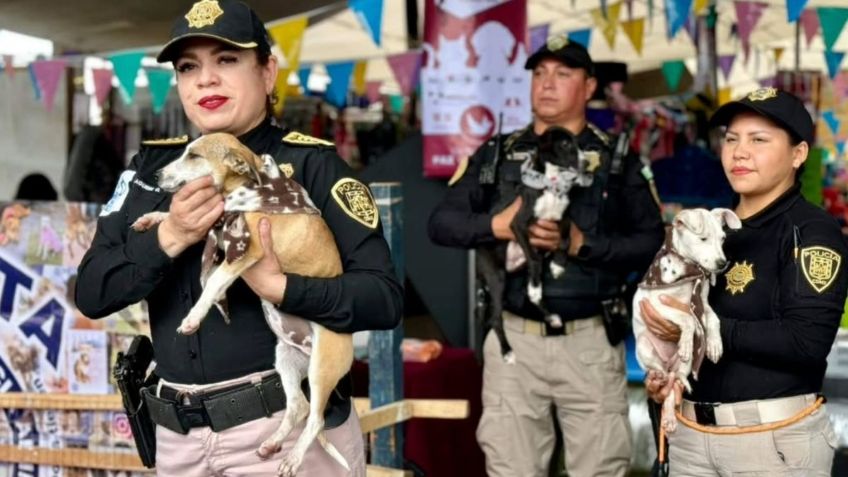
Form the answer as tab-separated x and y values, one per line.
706	79
384	358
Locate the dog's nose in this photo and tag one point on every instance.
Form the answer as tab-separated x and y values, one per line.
721	264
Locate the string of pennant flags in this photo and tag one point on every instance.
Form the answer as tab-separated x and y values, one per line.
346	75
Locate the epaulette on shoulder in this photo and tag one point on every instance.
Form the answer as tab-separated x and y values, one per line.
169	142
299	139
604	137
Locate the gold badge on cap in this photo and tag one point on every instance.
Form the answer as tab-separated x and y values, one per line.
203	13
288	169
356	201
556	42
739	277
762	94
820	266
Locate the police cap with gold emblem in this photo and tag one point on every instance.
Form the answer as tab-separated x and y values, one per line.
782	108
560	48
229	21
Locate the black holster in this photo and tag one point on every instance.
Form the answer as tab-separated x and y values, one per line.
616	319
131	376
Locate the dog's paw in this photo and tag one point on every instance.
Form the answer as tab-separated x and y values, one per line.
147	221
684	350
557	270
714	348
554	320
188	326
534	293
268	448
669	422
290	465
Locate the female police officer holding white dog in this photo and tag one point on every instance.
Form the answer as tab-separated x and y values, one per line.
757	411
225	75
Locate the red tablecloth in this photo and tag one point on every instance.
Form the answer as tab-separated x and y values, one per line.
440	447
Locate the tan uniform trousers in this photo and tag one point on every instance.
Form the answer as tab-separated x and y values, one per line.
232	452
581	376
803	449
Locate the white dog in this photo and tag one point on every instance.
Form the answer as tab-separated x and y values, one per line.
683	269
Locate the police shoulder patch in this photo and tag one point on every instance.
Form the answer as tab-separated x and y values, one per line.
120	194
820	266
171	141
459	172
356	201
305	140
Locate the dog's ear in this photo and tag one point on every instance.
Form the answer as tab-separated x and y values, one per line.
727	217
691	220
242	161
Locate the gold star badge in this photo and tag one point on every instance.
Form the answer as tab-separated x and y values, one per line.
288	169
762	94
356	201
203	13
739	277
820	266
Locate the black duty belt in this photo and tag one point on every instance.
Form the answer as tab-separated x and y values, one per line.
220	409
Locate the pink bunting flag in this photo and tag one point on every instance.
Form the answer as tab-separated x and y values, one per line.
47	74
102	83
406	68
840	85
747	16
810	23
10	68
372	91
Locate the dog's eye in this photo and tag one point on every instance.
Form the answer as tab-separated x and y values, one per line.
193	155
703	239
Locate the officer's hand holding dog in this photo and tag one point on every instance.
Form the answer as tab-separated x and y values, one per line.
194	209
544	234
657	386
659	326
265	277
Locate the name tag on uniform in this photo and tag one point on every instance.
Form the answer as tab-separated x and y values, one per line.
519	156
145	186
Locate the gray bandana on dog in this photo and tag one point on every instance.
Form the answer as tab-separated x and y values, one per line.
270	193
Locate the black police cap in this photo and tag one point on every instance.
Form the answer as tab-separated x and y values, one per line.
229	21
782	108
560	48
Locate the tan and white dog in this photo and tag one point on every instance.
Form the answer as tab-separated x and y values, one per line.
253	187
684	268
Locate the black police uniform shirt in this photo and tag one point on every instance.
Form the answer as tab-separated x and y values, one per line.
622	230
779	302
123	267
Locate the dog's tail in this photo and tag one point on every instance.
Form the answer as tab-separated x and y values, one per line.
331	449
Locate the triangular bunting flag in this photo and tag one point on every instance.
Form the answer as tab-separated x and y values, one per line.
584	37
778	53
35	88
692	28
102	84
699	7
372	91
840	85
281	87
396	102
9	65
767	82
370	15
289	36
832	121
840	148
159	82
724	95
794	9
676	14
538	36
303	77
832	21
673	72
359	77
406	68
834	62
725	63
47	74
126	66
608	24
339	74
747	16
635	29
810	22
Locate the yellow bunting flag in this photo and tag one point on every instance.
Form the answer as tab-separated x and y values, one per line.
724	95
289	36
281	87
778	53
699	7
635	29
359	78
608	25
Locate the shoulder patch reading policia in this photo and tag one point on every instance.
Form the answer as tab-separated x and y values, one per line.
820	266
304	140
356	200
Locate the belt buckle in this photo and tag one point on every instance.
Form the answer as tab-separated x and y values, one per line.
705	413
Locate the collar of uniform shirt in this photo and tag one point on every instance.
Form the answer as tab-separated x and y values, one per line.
779	206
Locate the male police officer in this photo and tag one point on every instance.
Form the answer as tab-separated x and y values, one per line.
615	228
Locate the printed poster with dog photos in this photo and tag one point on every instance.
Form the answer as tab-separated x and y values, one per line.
47	345
473	72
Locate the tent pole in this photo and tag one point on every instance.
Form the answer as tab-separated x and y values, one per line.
797	46
706	80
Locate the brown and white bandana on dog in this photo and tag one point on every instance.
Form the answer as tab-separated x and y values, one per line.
272	193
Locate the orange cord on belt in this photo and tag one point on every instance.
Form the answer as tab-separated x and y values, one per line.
739	430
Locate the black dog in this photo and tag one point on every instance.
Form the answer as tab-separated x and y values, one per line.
547	178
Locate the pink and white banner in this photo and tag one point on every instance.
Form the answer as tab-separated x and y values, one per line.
473	73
